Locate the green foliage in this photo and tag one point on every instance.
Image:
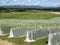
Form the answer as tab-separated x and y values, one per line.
11	10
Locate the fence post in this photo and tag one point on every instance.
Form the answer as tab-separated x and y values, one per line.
11	33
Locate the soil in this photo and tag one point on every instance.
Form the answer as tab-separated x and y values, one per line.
55	12
5	42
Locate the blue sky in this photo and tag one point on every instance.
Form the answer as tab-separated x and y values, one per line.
45	3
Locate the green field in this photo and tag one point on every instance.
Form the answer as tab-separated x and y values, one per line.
28	15
35	15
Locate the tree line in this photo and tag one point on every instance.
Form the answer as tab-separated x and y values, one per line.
25	9
11	9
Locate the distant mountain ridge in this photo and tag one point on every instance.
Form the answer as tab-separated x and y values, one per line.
25	6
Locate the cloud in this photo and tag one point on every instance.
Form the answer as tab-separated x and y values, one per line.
31	2
11	2
14	0
20	2
57	4
37	3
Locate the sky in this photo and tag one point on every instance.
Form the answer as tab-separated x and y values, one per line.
46	3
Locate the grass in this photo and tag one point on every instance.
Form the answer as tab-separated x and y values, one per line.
20	41
28	15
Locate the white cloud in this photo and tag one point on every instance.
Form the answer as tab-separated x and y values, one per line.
56	4
29	0
14	0
38	3
11	2
20	2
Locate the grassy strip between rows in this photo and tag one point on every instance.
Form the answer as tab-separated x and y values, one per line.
20	41
28	15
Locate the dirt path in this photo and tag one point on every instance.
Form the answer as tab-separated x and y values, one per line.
5	42
55	12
